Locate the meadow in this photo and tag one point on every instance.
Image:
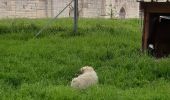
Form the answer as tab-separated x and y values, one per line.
41	68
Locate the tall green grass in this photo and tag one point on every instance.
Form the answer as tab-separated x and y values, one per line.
41	68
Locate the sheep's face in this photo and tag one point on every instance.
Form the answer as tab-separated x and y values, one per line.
86	69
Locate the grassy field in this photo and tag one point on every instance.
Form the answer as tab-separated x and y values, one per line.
42	68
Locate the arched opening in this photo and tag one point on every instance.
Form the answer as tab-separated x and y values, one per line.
122	13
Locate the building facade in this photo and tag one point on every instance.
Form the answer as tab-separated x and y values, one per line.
50	8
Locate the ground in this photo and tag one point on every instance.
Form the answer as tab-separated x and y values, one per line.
41	68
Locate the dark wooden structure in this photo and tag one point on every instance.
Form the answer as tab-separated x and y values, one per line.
156	27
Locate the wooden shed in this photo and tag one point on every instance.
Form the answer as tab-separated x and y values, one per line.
156	26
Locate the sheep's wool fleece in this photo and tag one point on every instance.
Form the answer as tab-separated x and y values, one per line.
85	80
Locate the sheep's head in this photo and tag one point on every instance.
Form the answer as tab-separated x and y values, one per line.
86	69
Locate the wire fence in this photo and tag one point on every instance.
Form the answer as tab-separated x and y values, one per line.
50	10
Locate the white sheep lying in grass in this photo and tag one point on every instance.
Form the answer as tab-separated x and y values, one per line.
86	79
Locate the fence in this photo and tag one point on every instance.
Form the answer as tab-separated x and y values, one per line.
52	9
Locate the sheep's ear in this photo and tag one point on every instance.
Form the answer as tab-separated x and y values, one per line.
81	70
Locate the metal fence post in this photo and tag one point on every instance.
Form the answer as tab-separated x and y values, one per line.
75	15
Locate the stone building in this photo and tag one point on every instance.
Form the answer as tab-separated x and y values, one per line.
25	8
50	8
109	8
125	8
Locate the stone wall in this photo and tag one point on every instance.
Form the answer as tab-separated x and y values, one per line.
92	8
24	8
50	8
58	5
123	8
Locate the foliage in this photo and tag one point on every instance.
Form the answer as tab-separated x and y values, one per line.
42	68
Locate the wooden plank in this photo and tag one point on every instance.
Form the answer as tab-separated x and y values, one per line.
146	31
156	7
153	0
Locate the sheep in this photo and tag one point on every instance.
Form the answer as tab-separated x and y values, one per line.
86	79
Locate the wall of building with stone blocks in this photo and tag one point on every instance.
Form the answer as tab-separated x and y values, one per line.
50	8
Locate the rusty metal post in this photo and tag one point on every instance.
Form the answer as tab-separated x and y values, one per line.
75	15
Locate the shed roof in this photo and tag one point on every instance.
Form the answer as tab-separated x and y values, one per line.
153	0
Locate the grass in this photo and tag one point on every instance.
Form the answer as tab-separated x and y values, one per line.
42	68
